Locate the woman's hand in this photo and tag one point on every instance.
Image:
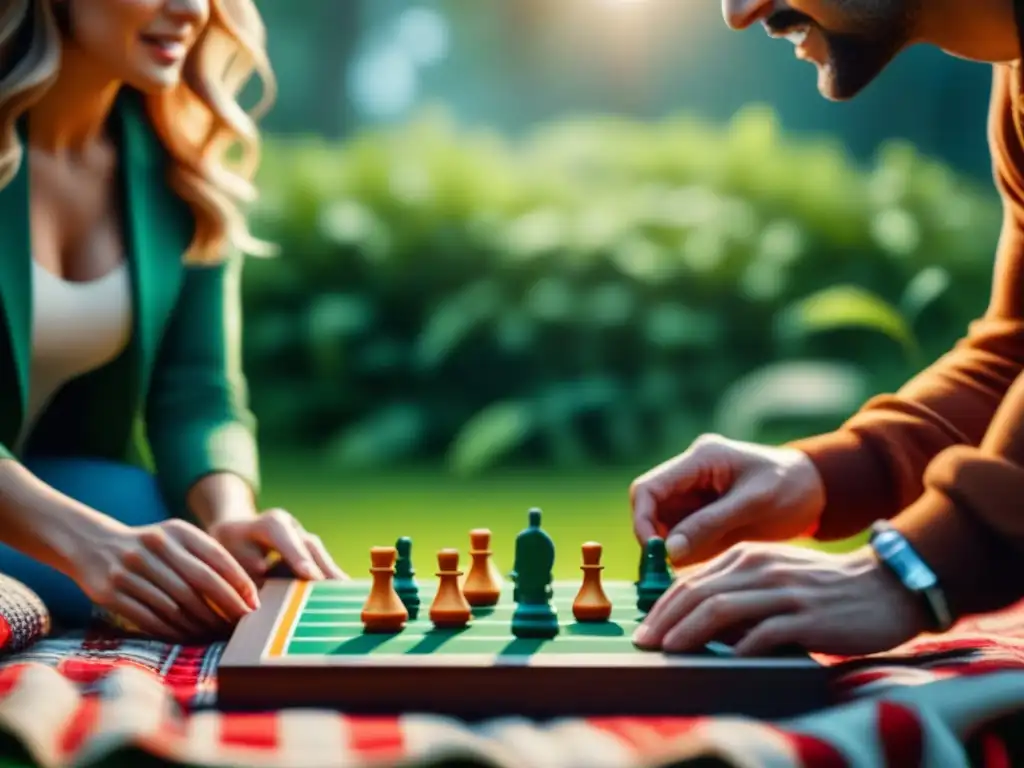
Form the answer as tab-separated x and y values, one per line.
771	596
252	539
169	580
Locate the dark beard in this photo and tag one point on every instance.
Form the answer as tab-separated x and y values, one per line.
854	62
858	55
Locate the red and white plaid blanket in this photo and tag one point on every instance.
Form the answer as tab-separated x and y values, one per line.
953	701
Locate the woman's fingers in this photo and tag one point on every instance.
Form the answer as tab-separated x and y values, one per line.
139	615
278	531
187	599
218	594
231	578
322	558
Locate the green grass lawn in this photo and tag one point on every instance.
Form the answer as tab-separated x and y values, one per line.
354	511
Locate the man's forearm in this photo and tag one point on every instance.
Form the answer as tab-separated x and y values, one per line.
874	465
969	524
220	497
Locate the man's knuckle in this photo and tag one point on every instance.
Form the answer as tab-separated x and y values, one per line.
718	607
775	575
797	600
747	555
772	632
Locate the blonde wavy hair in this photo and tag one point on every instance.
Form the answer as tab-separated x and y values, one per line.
213	141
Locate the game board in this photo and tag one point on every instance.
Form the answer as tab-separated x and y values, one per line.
305	646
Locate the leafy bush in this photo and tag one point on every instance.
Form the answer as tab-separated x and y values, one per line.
600	291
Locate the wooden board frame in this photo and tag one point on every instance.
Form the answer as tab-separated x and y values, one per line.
473	686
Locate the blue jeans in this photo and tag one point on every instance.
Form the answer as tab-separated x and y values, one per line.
128	494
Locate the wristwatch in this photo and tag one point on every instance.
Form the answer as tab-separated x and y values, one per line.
893	549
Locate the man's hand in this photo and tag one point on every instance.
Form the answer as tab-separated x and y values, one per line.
721	492
252	538
772	596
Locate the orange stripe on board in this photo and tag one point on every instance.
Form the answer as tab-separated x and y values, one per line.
289	615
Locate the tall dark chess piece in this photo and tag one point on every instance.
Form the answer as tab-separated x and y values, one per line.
405	578
656	577
535	616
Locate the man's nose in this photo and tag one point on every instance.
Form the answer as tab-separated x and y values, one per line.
740	14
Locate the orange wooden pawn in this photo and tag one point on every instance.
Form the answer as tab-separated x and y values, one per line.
383	611
449	609
481	588
591	604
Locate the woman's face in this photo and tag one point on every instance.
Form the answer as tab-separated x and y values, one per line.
143	43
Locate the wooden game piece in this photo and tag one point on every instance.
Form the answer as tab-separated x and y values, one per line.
405	578
449	609
535	616
657	578
480	588
591	604
383	611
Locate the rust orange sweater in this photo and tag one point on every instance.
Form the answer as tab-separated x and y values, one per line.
943	458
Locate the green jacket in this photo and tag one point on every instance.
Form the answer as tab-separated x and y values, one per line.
176	397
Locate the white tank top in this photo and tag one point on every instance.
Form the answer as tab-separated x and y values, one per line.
76	328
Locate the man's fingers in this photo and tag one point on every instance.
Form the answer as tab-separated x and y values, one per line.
671	479
776	632
716	616
719	576
712	528
645	509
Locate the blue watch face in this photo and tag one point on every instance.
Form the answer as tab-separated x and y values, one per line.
909	568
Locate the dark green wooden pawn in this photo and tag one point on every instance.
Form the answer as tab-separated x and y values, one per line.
405	578
656	577
642	567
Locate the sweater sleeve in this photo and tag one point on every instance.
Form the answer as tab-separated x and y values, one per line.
875	464
197	416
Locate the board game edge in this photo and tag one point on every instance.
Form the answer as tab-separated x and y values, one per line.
248	642
247	649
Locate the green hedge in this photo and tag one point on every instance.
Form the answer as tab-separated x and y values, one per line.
600	291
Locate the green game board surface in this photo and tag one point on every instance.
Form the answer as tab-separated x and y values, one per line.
329	625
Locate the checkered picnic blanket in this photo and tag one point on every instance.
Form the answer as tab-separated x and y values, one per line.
952	701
